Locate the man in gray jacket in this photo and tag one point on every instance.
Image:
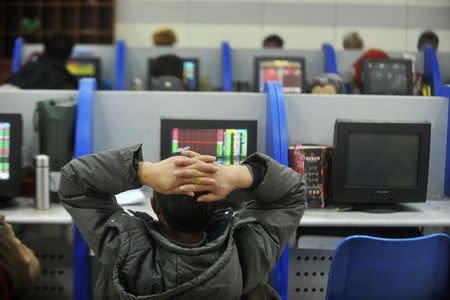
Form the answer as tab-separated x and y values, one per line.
195	250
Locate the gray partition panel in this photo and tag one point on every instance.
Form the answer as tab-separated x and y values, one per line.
24	102
210	61
126	118
106	53
244	62
444	66
310	119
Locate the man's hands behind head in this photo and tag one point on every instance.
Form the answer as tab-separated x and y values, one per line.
164	176
226	179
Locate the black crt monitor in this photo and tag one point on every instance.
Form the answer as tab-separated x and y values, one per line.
231	141
380	162
191	73
289	71
10	154
82	67
387	77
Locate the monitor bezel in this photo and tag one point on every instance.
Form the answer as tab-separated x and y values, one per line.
11	187
89	59
366	76
260	59
168	124
196	61
343	193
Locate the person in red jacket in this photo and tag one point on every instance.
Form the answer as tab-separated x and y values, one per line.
357	65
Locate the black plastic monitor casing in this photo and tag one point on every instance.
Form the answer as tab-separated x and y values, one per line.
366	76
378	194
92	60
168	124
260	59
11	187
196	62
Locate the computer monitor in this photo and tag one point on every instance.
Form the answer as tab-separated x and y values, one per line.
231	141
289	71
191	71
82	67
380	162
387	77
10	154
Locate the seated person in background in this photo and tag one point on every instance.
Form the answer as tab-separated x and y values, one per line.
164	37
49	71
327	83
353	41
18	263
429	38
167	73
273	41
197	249
357	65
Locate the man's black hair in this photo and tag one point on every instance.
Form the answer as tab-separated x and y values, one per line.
183	213
428	37
167	65
58	46
273	39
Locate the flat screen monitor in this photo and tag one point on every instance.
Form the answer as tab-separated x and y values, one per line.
10	154
82	67
380	162
289	71
191	71
387	77
230	141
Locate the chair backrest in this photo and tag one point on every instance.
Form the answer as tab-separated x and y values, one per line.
366	267
4	289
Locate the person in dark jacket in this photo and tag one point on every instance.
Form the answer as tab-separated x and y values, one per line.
166	73
49	71
18	264
193	251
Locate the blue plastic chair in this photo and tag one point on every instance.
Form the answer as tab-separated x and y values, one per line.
367	267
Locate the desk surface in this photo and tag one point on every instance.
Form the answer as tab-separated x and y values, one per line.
433	213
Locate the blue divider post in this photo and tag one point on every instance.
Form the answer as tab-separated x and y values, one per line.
17	54
445	92
83	146
329	56
121	64
227	68
277	148
431	74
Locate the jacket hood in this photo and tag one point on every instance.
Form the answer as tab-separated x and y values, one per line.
217	252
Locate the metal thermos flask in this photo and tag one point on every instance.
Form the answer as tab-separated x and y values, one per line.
42	187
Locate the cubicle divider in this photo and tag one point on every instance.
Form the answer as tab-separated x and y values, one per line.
310	119
329	56
209	63
24	102
113	58
277	148
16	61
227	68
83	146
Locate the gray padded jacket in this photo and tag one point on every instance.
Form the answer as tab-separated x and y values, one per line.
140	262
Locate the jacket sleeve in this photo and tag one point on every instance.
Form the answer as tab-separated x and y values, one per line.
268	221
17	260
87	190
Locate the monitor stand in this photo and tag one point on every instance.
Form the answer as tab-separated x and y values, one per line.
385	208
